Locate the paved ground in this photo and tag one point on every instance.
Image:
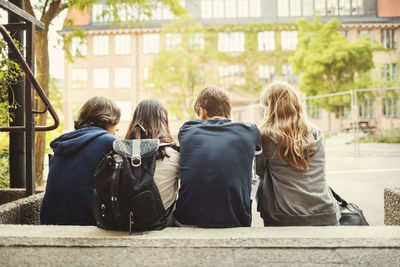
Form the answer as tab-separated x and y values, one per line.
360	179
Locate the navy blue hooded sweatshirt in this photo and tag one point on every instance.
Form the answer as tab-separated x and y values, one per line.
69	190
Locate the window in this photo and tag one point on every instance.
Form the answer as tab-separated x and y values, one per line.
172	41
266	73
101	78
126	110
243	8
231	42
100	45
97	13
255	8
122	44
266	41
78	46
206	8
218	9
288	74
332	8
369	35
230	8
314	111
233	74
357	7
122	78
344	7
390	107
389	38
79	78
197	41
366	109
308	7
320	7
289	40
389	72
295	7
283	8
151	43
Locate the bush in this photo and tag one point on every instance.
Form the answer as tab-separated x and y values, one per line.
389	136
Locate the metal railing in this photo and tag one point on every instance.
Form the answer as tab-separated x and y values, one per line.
27	64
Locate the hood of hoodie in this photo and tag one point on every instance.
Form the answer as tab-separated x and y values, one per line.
70	142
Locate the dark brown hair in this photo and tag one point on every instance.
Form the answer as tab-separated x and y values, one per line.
153	116
214	100
98	111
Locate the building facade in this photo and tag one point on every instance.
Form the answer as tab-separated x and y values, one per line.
117	60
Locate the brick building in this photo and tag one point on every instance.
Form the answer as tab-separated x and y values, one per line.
117	60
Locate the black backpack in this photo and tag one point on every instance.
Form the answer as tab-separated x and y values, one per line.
125	196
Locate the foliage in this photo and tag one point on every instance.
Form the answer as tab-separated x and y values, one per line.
9	73
329	63
4	169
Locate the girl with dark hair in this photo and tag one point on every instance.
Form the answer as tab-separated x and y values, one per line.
153	117
69	189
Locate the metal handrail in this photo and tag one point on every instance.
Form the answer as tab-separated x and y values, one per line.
24	65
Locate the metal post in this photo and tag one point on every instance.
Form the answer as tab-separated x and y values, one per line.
17	139
30	124
354	121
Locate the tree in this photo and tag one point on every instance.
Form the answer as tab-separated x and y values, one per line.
46	11
329	63
179	71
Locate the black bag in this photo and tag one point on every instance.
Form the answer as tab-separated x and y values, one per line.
125	195
351	213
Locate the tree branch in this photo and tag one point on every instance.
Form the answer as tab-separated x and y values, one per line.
50	14
29	8
44	7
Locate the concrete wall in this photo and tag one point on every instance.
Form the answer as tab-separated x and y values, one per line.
26	245
22	211
392	206
8	195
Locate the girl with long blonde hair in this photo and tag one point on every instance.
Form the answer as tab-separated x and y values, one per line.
293	190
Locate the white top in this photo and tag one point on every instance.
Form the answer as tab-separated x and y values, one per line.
166	177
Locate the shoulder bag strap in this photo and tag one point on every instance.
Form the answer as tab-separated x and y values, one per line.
338	198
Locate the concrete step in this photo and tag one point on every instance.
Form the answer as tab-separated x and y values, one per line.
22	245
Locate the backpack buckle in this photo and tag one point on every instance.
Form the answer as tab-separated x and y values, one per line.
136	161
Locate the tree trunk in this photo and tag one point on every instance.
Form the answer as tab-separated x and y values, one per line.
43	76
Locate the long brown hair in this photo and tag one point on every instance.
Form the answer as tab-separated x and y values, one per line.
285	121
153	116
98	111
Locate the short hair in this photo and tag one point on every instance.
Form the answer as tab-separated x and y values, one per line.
98	111
214	100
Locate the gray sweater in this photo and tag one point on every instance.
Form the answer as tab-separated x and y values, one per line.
290	196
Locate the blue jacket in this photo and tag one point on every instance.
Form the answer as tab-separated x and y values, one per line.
69	190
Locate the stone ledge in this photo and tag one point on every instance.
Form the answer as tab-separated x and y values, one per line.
22	211
392	206
284	246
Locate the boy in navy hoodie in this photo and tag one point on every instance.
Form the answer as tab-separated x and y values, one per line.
69	189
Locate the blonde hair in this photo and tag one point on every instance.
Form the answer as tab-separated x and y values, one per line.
285	121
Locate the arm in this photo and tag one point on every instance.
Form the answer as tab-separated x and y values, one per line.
260	165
